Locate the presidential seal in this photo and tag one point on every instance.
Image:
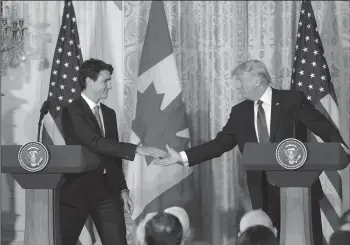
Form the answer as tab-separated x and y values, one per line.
291	153
33	156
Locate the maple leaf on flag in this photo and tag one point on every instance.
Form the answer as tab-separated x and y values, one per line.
156	127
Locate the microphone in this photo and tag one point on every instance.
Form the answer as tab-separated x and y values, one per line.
43	111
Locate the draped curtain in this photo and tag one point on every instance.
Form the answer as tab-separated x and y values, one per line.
209	39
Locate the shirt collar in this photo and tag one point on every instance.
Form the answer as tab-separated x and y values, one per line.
266	97
90	102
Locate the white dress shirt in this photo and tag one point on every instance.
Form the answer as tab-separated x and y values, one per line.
92	106
266	98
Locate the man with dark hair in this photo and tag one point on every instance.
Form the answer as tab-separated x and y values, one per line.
266	115
257	235
101	192
163	229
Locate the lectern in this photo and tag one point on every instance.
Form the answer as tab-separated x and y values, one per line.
295	185
42	224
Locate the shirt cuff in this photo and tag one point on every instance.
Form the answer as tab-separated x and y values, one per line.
184	158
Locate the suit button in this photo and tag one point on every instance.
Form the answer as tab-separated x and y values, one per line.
104	171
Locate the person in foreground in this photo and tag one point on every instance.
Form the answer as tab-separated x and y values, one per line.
179	213
101	192
266	115
163	229
257	235
256	217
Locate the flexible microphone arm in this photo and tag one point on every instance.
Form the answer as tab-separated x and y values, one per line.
43	111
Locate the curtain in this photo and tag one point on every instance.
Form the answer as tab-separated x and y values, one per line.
209	39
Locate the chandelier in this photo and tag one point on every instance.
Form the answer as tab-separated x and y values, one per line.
14	33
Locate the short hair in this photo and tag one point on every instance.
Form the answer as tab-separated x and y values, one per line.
257	235
91	68
163	229
253	218
254	67
183	217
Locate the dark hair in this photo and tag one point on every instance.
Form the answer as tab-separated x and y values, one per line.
345	218
163	229
257	235
91	68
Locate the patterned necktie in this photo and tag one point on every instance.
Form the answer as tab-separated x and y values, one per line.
98	118
261	124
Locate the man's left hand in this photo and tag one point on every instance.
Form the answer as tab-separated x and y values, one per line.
128	204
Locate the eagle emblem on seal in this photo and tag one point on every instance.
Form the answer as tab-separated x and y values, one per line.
33	156
291	153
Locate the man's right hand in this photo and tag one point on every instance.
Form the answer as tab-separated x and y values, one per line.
150	151
171	158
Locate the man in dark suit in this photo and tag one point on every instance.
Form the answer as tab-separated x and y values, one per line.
267	115
101	192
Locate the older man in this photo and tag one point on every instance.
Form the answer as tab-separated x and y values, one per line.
267	115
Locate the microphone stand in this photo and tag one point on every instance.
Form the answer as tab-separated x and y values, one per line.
39	127
43	111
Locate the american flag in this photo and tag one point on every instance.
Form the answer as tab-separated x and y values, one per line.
311	75
63	87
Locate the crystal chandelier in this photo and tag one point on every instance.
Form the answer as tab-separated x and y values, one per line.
14	35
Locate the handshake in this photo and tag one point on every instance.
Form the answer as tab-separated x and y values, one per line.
162	158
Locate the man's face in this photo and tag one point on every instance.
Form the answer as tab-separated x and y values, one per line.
246	85
102	85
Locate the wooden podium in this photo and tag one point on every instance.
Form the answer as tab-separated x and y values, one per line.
295	185
41	216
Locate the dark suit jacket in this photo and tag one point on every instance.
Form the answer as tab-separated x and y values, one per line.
80	127
286	106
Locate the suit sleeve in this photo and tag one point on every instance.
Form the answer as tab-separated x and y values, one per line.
116	177
74	123
224	141
314	120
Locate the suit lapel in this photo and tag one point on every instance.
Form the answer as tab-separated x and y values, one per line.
90	116
276	104
250	133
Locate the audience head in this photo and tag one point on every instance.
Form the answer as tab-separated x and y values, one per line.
140	230
252	79
163	229
94	78
256	217
182	215
257	235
